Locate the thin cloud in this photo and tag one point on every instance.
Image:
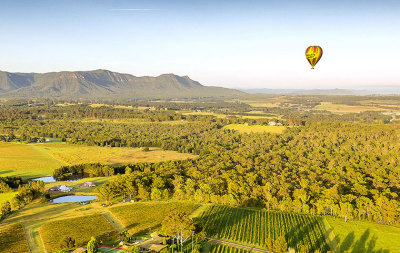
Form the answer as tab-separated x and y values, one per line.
135	9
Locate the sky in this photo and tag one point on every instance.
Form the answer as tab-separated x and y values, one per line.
232	43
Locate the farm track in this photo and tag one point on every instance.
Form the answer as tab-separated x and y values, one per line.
236	245
35	243
114	221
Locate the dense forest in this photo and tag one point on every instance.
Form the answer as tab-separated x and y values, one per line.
322	164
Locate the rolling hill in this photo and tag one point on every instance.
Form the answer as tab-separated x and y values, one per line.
105	84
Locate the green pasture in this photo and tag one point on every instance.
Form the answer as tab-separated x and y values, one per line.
37	160
242	128
364	236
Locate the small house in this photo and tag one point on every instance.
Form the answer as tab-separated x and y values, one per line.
60	188
55	188
88	184
272	123
64	188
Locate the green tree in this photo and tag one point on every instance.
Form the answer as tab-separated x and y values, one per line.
92	246
67	243
179	225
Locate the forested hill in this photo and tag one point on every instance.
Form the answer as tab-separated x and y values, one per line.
104	84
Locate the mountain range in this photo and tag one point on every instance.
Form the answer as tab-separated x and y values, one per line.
104	84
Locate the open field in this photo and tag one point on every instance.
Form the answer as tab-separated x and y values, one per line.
342	108
36	160
144	216
364	236
77	154
6	196
25	161
241	128
12	239
252	227
80	229
262	104
218	115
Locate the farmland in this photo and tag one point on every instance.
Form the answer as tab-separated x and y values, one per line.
364	236
146	216
219	248
36	160
80	229
12	239
252	227
25	161
343	108
241	128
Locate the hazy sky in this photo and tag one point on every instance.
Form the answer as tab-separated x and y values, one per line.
247	44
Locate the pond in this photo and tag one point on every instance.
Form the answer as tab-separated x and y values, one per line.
51	179
73	198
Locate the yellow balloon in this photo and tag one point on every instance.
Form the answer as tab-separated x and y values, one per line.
313	55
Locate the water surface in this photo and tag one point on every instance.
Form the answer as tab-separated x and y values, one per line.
73	198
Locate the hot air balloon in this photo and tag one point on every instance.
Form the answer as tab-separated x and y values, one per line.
313	55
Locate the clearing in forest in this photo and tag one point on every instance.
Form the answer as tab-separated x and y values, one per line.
36	160
242	128
252	227
342	108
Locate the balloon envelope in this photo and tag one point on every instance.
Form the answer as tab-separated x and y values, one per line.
313	55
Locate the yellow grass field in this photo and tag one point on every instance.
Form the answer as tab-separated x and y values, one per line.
262	104
342	108
241	128
80	229
35	160
218	115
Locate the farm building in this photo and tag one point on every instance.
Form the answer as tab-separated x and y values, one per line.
88	184
60	188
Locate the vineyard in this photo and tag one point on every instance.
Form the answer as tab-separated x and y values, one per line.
253	227
219	248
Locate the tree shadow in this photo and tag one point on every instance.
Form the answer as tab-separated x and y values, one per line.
347	242
365	244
